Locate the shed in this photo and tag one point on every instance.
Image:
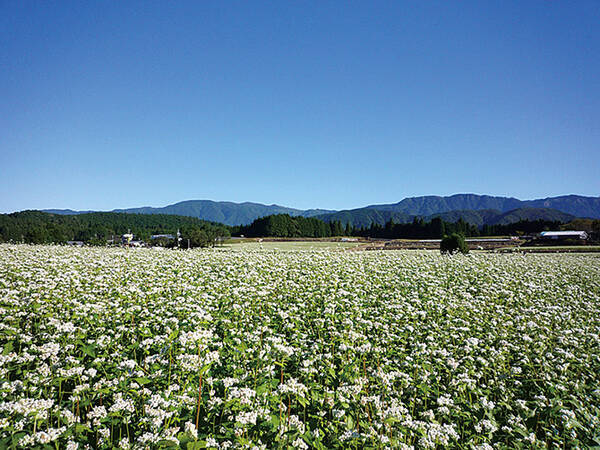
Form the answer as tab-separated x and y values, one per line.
557	235
162	236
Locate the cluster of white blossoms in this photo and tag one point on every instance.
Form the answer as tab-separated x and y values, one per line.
293	386
137	349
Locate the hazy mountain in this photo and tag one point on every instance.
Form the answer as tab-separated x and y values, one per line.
431	204
65	212
228	213
476	209
576	205
224	212
475	217
531	214
363	217
494	217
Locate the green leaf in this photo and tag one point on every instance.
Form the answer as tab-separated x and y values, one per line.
142	380
90	350
275	421
196	445
350	422
80	428
8	348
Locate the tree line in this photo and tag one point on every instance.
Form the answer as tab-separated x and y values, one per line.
436	228
284	225
36	227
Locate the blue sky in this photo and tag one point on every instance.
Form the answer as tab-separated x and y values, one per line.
305	104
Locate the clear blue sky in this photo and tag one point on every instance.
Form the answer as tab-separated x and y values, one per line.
306	104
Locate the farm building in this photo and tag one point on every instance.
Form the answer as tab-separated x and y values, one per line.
162	236
560	235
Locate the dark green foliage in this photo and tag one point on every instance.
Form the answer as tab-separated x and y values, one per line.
96	228
37	227
591	226
417	229
453	244
531	214
336	228
198	238
284	225
520	228
364	217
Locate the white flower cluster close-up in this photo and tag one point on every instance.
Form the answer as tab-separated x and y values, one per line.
134	348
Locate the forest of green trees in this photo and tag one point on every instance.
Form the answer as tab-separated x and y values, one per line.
437	228
36	227
97	228
283	225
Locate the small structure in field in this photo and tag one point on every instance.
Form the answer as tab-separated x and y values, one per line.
563	235
162	236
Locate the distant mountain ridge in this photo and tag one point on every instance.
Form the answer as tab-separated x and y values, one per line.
365	216
494	217
228	213
576	205
473	208
432	204
65	212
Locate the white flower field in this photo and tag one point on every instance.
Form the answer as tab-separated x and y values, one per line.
124	348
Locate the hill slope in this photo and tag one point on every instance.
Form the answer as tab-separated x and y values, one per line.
363	217
576	205
531	214
432	204
228	213
476	209
495	217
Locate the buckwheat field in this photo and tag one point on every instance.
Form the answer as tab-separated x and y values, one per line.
138	348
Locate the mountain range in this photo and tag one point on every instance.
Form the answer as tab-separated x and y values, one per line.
228	213
473	208
365	216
